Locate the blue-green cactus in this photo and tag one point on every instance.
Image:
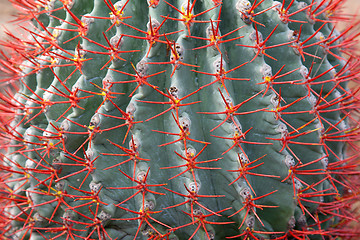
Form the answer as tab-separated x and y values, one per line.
180	119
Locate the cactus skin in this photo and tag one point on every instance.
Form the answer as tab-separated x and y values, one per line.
182	119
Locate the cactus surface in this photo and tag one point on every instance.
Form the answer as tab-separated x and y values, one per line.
179	119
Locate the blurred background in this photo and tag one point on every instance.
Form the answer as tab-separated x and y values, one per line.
7	13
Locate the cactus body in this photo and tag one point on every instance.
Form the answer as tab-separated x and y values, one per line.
180	119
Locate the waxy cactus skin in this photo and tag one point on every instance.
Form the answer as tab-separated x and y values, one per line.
180	119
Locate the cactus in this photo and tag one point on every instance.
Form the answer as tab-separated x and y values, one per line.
179	119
